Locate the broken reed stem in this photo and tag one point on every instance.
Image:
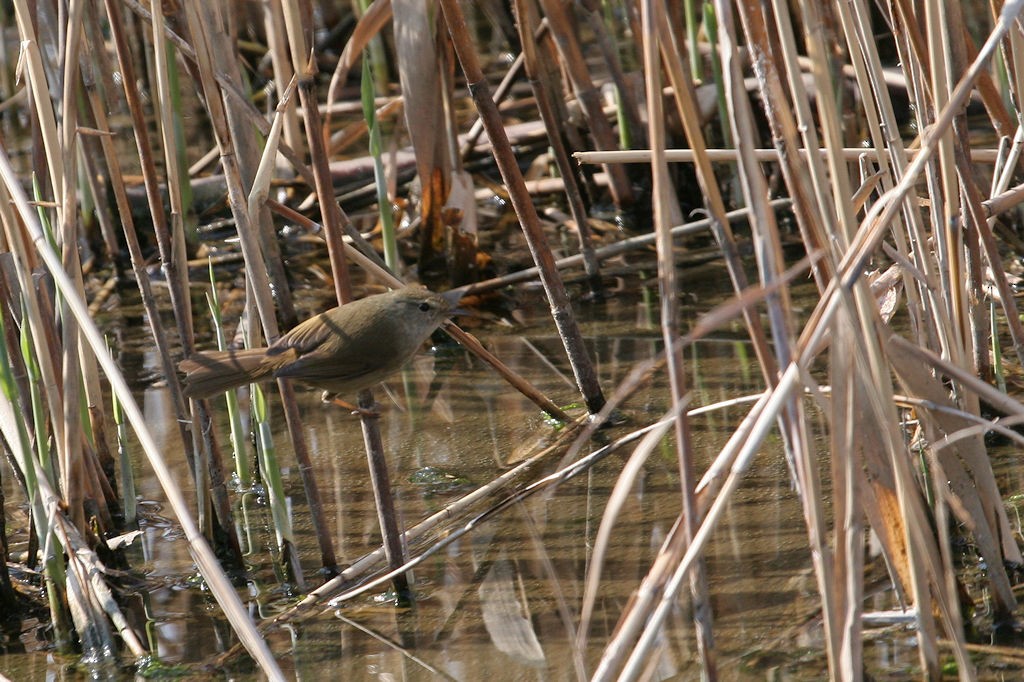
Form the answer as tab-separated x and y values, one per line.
248	150
561	309
384	499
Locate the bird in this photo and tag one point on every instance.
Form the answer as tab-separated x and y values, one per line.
342	350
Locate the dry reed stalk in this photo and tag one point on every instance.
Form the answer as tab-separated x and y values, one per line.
174	257
925	313
626	101
971	216
986	495
672	549
173	179
528	22
837	582
81	380
165	240
803	466
262	243
333	220
983	240
561	310
807	184
230	90
982	155
226	63
94	91
270	267
571	56
551	74
686	105
946	204
44	335
974	204
251	241
653	16
81	478
273	23
202	553
173	261
811	225
854	441
1002	123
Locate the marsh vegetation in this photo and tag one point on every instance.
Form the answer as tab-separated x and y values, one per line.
733	387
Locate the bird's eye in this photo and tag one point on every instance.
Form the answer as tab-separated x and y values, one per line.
424	307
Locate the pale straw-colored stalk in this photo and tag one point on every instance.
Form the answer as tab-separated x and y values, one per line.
201	552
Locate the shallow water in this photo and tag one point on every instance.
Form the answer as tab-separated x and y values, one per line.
502	602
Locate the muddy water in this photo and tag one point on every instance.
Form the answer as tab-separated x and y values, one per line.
502	603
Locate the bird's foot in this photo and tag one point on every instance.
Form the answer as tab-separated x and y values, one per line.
364	412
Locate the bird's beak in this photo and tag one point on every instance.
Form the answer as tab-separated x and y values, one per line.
453	297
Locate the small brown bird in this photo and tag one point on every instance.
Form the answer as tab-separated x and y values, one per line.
342	350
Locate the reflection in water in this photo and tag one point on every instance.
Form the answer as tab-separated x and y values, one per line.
502	602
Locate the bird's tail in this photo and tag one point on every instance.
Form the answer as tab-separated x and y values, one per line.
209	373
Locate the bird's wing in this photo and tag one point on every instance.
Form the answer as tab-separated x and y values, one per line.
321	363
304	352
304	338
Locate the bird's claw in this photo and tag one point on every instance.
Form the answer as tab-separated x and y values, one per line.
363	412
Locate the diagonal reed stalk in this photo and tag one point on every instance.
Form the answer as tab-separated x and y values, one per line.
561	309
543	89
